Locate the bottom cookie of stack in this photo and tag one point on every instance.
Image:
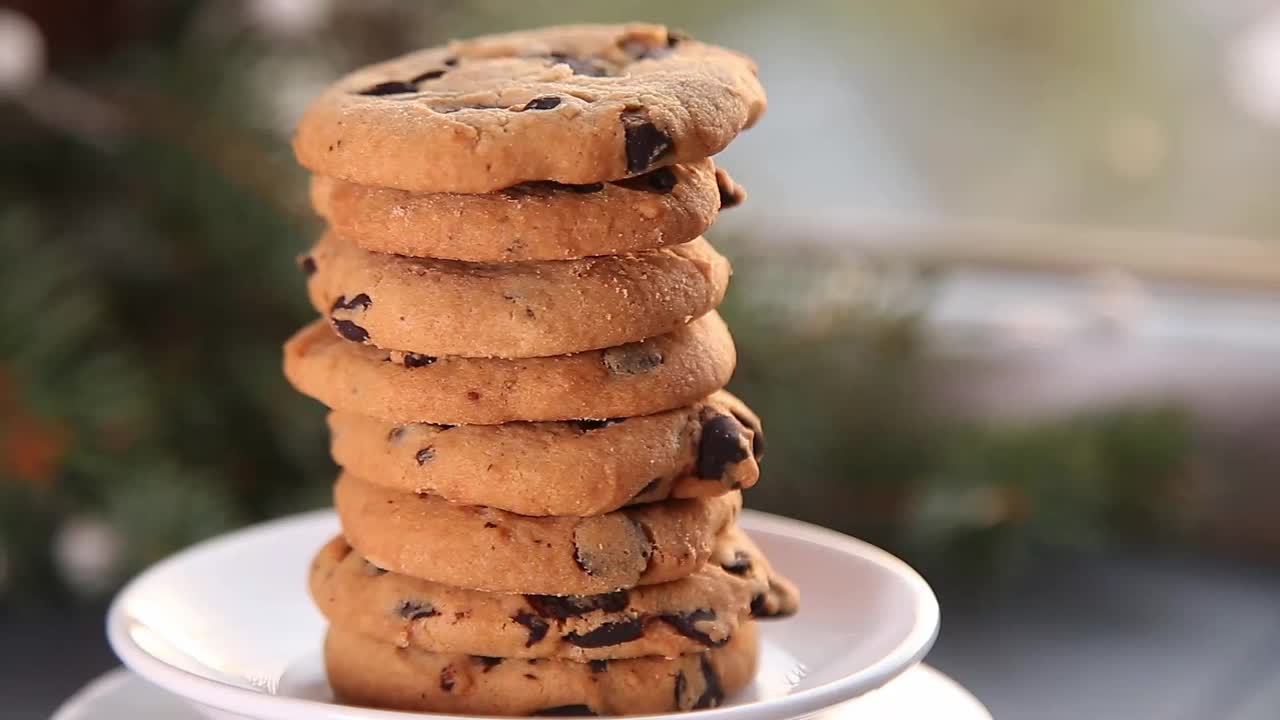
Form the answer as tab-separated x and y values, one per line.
363	671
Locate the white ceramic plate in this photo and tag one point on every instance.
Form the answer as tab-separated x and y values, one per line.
920	692
228	625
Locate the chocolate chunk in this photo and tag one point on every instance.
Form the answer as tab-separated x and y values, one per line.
546	102
687	625
561	607
416	610
583	189
425	455
598	666
631	359
612	633
359	302
536	626
731	193
713	691
675	37
721	446
645	143
487	662
448	676
739	565
682	687
307	265
452	61
581	66
491	524
662	181
428	75
757	435
395	87
414	360
589	425
759	607
351	331
567	711
614	547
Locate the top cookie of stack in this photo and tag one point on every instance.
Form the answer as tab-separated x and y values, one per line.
520	347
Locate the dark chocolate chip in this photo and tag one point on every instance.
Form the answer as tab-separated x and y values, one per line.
757	435
713	692
488	662
428	75
307	264
546	102
730	195
739	565
583	189
567	711
351	331
448	676
491	525
359	302
425	455
450	62
536	626
632	359
598	666
662	180
759	608
612	633
687	625
589	425
721	446
581	66
395	87
414	360
416	610
675	37
561	607
645	143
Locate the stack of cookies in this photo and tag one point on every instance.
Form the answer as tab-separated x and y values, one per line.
521	352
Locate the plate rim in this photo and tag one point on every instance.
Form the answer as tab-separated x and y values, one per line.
254	703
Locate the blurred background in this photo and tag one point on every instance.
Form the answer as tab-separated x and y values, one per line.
1007	295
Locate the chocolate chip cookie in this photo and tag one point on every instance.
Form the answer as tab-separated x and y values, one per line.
575	104
642	378
579	467
481	548
683	616
363	671
532	221
512	310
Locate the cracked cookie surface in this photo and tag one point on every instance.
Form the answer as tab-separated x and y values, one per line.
538	308
575	104
480	548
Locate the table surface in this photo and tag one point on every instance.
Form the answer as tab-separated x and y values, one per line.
1133	634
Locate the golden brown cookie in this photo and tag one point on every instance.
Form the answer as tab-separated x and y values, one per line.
575	104
642	378
367	672
579	467
480	548
531	221
512	310
684	616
